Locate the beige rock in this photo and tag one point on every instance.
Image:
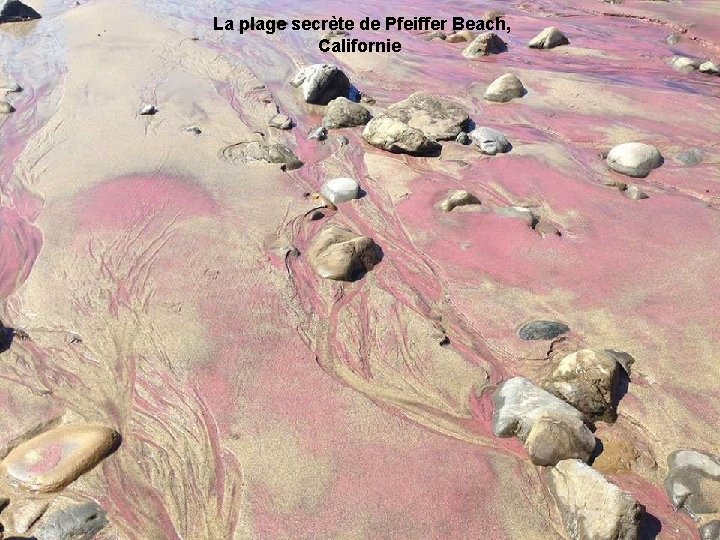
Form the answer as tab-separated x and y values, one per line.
340	254
549	38
485	44
461	37
24	513
395	136
504	89
57	457
458	198
437	117
6	108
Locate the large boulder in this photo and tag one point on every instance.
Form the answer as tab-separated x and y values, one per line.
490	141
16	11
340	254
588	380
634	159
591	507
551	429
693	482
485	44
549	38
321	83
341	112
504	89
438	118
396	136
78	522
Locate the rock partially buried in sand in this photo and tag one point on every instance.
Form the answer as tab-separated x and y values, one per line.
634	159
684	64
321	83
691	157
16	11
551	429
340	190
280	121
458	198
57	457
710	531
148	110
549	38
461	37
395	136
635	193
542	330
340	254
504	89
79	522
485	44
6	108
436	34
438	118
490	141
341	112
693	482
257	151
591	507
588	380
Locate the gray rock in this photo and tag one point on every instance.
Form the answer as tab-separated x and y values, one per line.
318	134
463	138
551	429
485	44
691	157
438	118
321	83
692	482
148	110
591	507
684	64
635	193
549	38
16	11
341	112
710	68
395	136
339	254
490	141
79	522
458	198
437	34
280	121
588	380
542	330
504	89
6	108
710	531
340	190
673	39
257	151
634	159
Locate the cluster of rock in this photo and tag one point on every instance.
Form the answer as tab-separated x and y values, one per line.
46	464
489	43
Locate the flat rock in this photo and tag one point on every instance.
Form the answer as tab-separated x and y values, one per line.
280	121
504	89
16	11
518	212
340	190
693	482
79	522
490	141
691	157
710	531
341	112
551	429
634	159
458	198
545	229
462	36
258	151
398	137
591	507
338	253
588	380
321	83
6	108
438	118
485	44
549	38
635	193
52	460
542	330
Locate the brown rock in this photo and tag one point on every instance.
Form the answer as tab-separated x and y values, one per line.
461	36
340	254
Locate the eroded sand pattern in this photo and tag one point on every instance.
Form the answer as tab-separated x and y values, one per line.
175	365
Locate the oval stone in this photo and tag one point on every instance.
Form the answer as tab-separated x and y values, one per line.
542	330
57	457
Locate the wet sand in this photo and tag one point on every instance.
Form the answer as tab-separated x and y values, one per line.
257	400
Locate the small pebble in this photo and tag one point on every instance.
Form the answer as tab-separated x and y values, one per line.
193	129
148	110
319	134
6	108
635	193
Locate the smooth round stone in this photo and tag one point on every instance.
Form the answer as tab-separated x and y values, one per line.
340	190
634	159
57	457
542	330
